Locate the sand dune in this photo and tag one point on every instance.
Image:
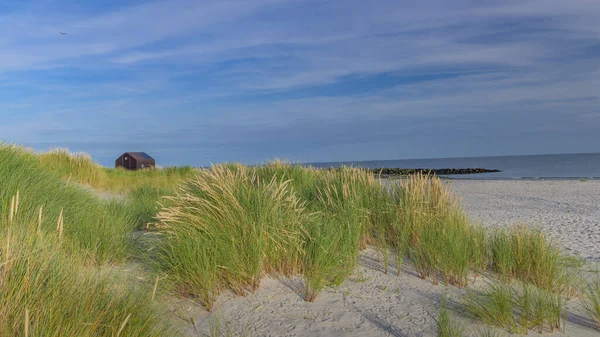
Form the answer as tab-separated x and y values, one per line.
372	303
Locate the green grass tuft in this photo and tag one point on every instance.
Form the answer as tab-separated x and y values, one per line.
448	326
227	228
60	297
517	307
528	255
591	301
435	232
93	227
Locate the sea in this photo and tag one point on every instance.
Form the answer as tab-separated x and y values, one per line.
545	167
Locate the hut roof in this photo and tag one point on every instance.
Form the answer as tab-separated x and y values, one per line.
141	156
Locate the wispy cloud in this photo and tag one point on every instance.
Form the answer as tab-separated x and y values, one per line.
249	80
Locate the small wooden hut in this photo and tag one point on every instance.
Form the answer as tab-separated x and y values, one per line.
134	161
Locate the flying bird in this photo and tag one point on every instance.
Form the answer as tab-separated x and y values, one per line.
63	34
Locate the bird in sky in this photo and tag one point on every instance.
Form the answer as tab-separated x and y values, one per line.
63	34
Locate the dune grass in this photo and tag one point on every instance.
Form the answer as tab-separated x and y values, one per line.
258	213
54	239
339	228
95	228
591	301
145	202
143	189
82	169
318	220
46	291
226	227
447	325
124	181
488	332
493	305
528	255
435	232
77	167
517	307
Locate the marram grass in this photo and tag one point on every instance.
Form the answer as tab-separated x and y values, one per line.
45	291
528	255
447	324
76	167
143	188
591	301
54	236
82	169
287	219
517	307
433	229
226	227
93	227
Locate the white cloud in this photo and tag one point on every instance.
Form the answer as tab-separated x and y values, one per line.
454	61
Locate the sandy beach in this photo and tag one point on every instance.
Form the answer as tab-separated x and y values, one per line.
567	210
373	303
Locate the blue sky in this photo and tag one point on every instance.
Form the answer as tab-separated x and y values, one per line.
199	82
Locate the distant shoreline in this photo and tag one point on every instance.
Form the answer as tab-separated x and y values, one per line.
551	167
443	171
351	162
523	178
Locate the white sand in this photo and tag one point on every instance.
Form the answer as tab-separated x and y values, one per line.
569	211
372	303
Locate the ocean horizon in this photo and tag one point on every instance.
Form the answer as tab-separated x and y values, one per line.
541	166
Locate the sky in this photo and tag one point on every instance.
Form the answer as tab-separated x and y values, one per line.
196	82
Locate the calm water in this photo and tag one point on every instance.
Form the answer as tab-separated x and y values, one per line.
554	166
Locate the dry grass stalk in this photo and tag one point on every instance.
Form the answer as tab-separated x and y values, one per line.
14	207
26	322
17	203
12	210
155	287
60	224
40	214
123	325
